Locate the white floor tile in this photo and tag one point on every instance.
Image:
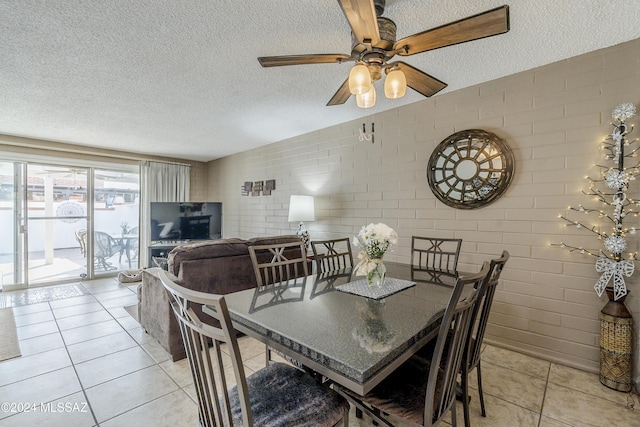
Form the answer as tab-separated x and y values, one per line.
33	318
175	409
118	396
72	410
98	347
21	368
89	332
43	388
111	366
41	344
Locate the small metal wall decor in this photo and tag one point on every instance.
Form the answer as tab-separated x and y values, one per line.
255	188
369	137
470	169
269	185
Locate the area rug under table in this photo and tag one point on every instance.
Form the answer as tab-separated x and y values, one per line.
9	346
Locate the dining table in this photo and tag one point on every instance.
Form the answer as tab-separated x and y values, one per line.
350	339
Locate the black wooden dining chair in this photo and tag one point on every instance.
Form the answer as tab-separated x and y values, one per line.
423	389
277	395
433	256
332	255
277	266
475	339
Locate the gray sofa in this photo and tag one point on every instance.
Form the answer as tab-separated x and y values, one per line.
219	267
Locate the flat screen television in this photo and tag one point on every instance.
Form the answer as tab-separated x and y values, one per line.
186	221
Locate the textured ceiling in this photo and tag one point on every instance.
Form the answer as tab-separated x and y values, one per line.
181	79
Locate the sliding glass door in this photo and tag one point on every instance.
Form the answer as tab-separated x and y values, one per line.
116	211
56	215
66	223
12	221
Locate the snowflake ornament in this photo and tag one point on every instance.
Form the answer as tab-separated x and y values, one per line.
615	244
616	178
624	111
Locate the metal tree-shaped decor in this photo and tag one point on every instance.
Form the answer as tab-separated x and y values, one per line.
611	190
615	262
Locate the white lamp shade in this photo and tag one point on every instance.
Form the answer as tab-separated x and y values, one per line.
301	208
395	84
368	99
359	79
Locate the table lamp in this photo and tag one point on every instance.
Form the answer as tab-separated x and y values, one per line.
301	208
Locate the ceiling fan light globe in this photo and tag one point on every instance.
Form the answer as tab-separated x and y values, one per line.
367	100
359	80
395	84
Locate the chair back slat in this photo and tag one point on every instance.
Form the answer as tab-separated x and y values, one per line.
451	345
332	255
279	263
434	254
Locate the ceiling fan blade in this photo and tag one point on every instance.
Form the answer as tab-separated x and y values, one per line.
362	18
485	24
420	81
341	96
324	58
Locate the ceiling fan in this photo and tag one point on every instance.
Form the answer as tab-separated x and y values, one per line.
374	44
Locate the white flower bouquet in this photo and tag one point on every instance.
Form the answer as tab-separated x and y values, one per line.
373	241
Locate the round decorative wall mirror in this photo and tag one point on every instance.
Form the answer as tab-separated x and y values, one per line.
470	169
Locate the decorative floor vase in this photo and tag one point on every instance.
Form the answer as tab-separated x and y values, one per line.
616	344
376	276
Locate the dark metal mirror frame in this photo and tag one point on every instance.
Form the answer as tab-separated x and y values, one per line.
470	169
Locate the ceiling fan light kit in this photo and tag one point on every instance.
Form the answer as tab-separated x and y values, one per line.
395	85
367	100
359	79
374	44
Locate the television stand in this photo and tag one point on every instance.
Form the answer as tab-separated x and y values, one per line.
161	248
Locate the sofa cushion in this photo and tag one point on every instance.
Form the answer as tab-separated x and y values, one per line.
220	275
272	240
205	250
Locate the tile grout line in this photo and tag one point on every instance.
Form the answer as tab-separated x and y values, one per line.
156	363
544	395
73	365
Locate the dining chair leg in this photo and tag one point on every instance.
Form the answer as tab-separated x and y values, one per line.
465	396
454	422
479	371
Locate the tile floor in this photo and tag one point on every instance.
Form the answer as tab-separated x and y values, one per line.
86	362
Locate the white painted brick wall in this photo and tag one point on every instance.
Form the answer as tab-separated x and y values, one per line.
553	117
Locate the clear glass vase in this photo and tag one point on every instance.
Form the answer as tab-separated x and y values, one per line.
376	276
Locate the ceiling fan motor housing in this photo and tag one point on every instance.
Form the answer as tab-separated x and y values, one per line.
387	30
379	5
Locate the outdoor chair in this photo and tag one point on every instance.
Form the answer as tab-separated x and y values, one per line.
332	255
81	237
423	389
277	395
104	247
